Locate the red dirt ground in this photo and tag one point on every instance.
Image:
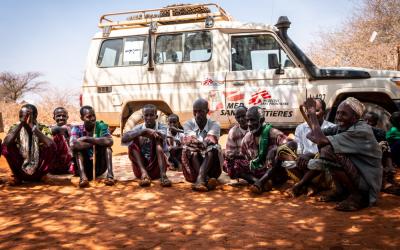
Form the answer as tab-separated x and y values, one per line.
58	215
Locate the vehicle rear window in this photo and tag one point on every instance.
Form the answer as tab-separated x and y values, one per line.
184	47
123	52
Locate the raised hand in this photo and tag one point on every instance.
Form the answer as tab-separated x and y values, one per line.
24	116
310	105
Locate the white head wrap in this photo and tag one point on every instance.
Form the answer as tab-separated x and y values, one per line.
355	105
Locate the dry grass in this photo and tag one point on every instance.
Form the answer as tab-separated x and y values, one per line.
49	101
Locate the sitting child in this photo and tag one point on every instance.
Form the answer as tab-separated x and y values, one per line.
174	140
393	137
372	118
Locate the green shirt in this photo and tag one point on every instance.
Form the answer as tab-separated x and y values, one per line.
393	135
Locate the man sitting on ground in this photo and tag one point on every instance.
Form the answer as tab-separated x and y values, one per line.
28	147
201	156
61	132
307	150
259	146
92	136
351	154
147	149
235	163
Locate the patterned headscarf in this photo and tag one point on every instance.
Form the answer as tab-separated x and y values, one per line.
355	105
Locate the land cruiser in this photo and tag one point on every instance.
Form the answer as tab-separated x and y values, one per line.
173	55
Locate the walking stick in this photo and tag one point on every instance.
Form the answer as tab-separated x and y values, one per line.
94	154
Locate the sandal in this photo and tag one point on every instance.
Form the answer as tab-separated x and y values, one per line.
83	183
200	187
109	182
212	183
348	205
145	181
393	189
298	190
256	189
336	197
165	182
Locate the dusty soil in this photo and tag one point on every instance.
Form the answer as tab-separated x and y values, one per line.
58	215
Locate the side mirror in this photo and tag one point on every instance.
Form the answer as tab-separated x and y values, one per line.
280	70
273	63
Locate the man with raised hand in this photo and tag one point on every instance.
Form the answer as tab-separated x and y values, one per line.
351	153
28	148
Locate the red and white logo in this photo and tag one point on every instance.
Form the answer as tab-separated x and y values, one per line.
208	82
258	97
234	95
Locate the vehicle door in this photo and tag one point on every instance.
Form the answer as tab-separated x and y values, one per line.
263	74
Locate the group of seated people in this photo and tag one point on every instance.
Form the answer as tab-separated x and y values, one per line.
349	158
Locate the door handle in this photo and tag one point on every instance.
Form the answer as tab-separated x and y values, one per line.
237	83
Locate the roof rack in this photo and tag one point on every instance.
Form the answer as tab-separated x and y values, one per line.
166	15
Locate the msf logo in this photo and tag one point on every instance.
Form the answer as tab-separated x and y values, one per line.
258	97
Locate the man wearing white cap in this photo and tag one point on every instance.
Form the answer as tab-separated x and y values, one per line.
351	154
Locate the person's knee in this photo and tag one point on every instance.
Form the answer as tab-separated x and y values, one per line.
212	154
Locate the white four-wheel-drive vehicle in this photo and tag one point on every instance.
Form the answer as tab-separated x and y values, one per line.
174	55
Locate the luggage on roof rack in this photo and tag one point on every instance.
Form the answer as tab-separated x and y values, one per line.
179	13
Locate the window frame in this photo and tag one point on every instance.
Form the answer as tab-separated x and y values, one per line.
123	45
282	47
183	46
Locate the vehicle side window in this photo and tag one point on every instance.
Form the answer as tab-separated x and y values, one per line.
183	47
110	52
135	50
169	48
257	52
197	46
123	52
